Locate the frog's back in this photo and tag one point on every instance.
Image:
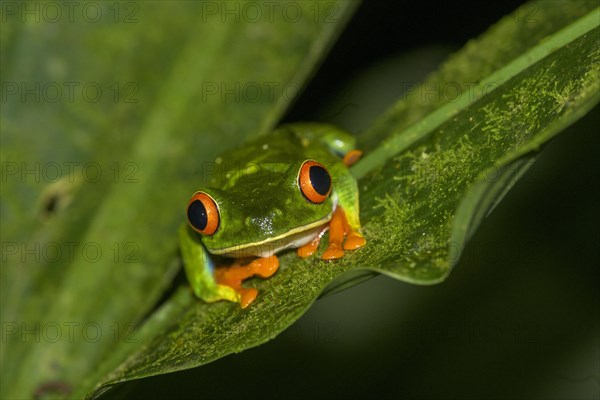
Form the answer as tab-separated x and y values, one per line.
288	144
281	145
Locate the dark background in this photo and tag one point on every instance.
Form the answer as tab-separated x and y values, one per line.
518	316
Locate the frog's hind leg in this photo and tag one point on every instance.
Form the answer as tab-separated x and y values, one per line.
199	269
235	274
345	221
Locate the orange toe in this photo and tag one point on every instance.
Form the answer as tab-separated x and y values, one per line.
247	296
307	250
351	157
265	267
333	252
354	241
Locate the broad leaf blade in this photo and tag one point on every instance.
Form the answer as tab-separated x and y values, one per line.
462	76
531	102
424	193
189	75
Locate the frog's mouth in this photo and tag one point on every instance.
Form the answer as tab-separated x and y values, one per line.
292	239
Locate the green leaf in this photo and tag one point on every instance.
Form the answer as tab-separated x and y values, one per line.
466	153
106	119
437	165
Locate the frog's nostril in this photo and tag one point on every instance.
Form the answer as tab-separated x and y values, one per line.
276	212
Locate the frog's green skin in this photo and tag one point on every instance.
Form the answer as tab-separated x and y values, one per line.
262	211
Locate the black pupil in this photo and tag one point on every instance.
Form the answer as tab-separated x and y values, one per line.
197	215
319	179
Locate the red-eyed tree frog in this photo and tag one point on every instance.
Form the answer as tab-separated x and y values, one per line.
277	192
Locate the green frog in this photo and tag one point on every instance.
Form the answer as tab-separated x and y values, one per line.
277	192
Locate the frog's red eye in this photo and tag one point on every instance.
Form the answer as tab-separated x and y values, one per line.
314	181
203	214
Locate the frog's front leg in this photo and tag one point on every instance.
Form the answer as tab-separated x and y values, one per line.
233	276
339	228
309	249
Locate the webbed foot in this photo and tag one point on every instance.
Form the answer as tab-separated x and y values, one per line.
338	229
235	274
